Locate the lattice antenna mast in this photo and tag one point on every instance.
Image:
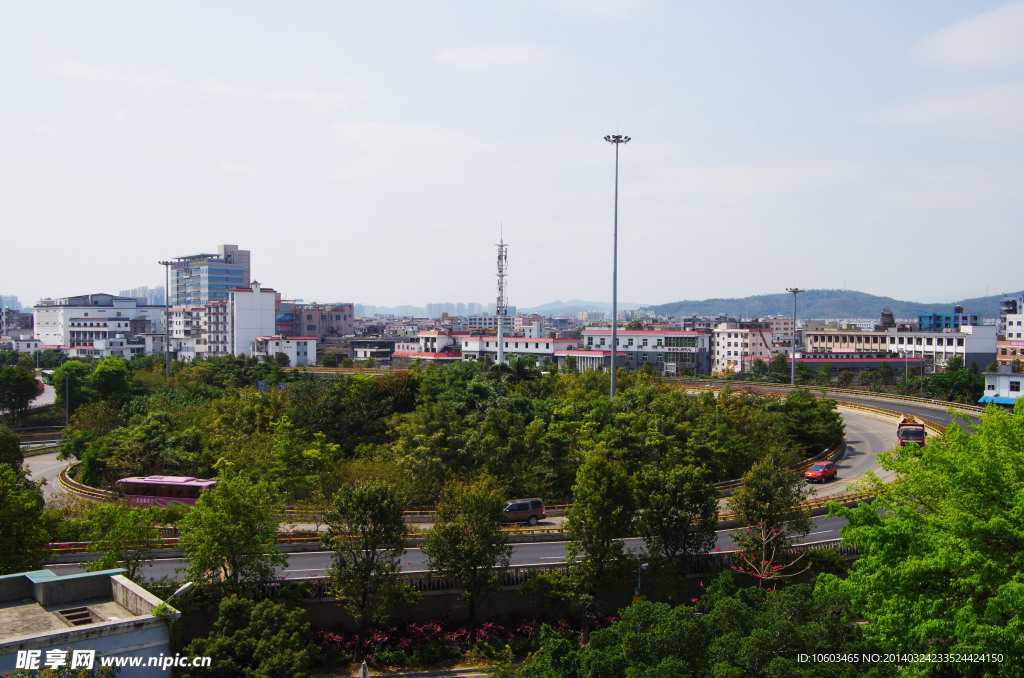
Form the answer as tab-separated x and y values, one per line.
502	306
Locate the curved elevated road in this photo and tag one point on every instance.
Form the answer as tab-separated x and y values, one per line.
867	434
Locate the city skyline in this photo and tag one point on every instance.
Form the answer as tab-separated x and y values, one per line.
379	153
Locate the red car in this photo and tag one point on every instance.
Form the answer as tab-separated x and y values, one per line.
821	472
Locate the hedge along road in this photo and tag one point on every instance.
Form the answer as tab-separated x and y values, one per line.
867	435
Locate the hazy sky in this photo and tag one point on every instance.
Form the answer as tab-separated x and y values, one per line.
371	151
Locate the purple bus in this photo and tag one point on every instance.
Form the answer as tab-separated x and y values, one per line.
161	490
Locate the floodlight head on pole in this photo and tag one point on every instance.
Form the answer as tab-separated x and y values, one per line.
616	139
182	590
792	346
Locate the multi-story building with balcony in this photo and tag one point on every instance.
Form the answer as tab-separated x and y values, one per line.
94	325
200	331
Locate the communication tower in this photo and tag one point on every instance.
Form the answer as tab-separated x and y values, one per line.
501	308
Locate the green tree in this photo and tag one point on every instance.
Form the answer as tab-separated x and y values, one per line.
329	360
770	498
885	374
231	533
10	449
69	383
678	511
282	359
467	543
846	379
812	424
122	535
109	381
22	537
18	387
780	368
347	362
825	374
942	550
992	367
804	373
957	383
251	640
759	369
366	531
603	508
570	365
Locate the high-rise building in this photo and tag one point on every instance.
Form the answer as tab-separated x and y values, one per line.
200	278
150	296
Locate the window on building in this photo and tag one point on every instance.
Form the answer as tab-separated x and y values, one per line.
1014	387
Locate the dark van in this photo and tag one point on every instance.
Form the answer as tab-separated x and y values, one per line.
529	511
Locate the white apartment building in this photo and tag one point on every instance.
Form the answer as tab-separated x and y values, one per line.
488	322
669	352
476	348
301	351
735	348
972	343
253	313
79	320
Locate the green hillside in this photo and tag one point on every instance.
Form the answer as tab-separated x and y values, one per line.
824	305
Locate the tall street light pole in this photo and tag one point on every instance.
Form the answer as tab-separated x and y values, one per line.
792	345
615	139
167	318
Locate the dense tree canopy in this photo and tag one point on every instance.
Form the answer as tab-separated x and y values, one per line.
420	429
729	632
942	551
255	640
22	537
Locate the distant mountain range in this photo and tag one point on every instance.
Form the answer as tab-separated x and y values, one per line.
574	306
825	305
554	308
812	304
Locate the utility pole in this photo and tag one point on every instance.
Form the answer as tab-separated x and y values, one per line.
792	346
617	140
